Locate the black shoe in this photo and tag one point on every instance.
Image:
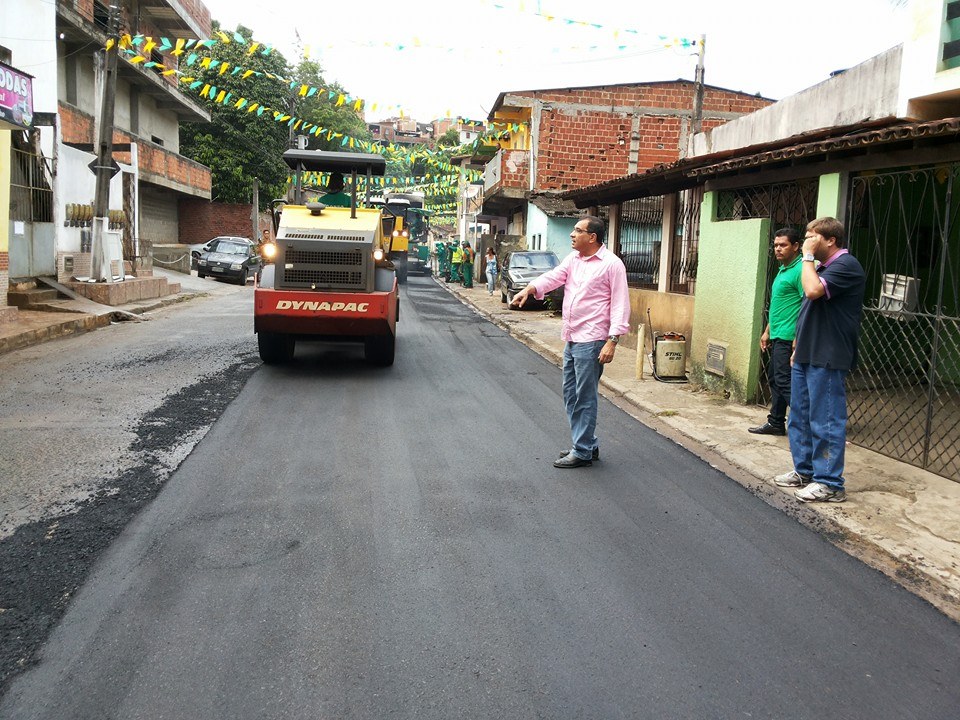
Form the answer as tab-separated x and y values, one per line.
596	454
571	461
767	429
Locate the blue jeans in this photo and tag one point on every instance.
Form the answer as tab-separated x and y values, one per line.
581	378
817	426
490	280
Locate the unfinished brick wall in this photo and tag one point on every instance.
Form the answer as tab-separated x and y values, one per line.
201	220
586	134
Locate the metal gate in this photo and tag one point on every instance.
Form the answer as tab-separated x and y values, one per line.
32	240
788	204
904	397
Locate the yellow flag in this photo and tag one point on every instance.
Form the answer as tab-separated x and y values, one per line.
223	68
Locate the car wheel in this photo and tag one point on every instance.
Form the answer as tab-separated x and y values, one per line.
201	275
503	296
243	276
510	296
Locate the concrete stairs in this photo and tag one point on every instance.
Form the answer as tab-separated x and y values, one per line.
28	296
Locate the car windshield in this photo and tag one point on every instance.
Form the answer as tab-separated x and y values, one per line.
538	260
230	248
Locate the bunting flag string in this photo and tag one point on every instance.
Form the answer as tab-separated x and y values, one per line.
140	47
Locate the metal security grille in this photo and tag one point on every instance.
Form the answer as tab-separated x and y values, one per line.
31	198
686	242
641	231
790	204
904	397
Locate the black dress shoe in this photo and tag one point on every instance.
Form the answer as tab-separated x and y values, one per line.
596	454
571	461
767	429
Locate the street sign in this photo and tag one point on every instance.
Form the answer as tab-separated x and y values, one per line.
112	167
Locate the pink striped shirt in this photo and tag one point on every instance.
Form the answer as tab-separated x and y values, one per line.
596	302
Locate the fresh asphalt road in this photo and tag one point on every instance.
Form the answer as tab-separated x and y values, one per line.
358	542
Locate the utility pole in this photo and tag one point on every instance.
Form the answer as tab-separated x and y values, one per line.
105	167
698	89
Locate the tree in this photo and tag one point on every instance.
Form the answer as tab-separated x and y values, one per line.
451	138
321	109
238	145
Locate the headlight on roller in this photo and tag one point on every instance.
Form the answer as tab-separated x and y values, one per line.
269	250
396	233
378	254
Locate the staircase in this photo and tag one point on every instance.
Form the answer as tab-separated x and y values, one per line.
27	295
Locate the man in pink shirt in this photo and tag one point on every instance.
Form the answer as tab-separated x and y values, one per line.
596	312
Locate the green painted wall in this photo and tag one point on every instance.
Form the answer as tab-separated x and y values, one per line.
830	196
731	277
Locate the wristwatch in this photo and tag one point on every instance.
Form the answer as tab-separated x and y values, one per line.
808	257
613	338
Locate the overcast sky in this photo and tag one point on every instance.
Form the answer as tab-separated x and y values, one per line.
437	57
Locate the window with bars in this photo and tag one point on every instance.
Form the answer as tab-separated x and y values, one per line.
641	231
685	242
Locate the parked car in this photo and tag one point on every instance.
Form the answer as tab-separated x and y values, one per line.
229	257
520	267
197	249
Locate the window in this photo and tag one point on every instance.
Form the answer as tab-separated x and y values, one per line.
101	15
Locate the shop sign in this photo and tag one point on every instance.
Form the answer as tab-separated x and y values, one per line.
16	99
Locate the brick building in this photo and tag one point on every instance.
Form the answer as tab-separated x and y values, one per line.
566	138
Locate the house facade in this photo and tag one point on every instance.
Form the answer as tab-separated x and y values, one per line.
877	147
566	138
52	186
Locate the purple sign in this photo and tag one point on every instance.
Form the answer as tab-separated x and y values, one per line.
16	99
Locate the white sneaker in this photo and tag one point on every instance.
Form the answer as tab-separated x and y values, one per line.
792	479
818	492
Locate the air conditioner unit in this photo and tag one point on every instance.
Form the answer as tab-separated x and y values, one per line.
898	296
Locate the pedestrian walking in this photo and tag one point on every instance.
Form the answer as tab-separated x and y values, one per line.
491	270
596	312
825	350
466	266
786	296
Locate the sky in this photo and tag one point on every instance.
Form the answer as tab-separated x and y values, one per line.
440	58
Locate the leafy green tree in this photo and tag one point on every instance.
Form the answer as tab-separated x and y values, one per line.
238	145
322	110
451	138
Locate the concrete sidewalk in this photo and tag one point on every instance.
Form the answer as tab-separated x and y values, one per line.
899	519
30	327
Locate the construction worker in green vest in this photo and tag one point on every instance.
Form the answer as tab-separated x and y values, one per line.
467	267
456	260
443	267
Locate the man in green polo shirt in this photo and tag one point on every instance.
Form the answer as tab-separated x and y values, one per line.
786	296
